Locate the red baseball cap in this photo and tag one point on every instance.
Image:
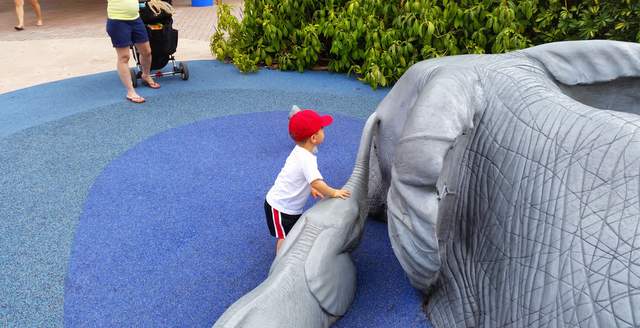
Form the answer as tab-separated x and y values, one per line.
306	122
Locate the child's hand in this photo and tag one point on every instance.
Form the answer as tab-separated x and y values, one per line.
342	194
315	193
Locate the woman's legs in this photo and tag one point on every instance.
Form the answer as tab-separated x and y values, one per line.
125	74
144	49
36	7
20	12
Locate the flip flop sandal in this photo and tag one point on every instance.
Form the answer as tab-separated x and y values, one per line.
152	85
136	100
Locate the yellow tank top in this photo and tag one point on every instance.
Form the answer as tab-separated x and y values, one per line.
123	9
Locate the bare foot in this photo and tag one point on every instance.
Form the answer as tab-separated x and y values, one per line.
39	22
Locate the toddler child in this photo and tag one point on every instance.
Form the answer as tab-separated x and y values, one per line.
300	176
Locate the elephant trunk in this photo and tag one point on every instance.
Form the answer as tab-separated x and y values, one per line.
358	181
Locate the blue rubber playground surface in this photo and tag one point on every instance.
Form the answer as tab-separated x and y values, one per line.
122	215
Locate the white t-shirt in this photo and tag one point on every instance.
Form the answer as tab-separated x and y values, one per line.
293	185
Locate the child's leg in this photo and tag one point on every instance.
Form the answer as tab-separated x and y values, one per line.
279	243
274	223
288	221
279	223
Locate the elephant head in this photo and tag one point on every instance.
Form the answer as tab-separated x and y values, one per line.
513	185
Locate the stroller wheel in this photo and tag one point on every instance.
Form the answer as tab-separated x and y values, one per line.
184	71
134	77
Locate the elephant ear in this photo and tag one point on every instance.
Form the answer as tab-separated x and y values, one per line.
587	62
331	275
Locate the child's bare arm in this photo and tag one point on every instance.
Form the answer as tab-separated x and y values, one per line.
327	191
315	193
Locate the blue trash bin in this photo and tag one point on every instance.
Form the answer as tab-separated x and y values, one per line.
201	3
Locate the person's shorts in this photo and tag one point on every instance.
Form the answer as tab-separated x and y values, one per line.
279	223
125	33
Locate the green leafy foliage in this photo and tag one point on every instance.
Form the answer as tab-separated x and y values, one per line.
379	40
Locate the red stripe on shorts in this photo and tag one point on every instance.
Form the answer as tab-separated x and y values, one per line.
277	223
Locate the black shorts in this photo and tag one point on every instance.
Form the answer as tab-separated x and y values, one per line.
279	223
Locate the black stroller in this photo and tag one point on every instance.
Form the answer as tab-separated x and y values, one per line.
163	40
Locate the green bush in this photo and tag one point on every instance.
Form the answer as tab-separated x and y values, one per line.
379	40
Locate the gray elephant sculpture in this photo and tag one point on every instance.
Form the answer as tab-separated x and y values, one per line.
511	187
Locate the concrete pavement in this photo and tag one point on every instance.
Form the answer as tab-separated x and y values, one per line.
73	40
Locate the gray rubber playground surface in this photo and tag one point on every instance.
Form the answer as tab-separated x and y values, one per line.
112	211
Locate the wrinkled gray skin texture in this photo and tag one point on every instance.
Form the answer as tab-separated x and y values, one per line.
510	186
513	185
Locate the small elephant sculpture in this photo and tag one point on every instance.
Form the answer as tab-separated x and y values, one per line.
511	187
312	280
